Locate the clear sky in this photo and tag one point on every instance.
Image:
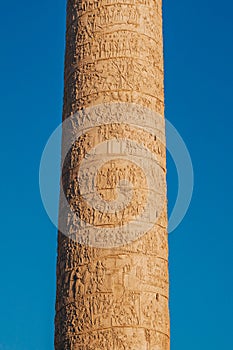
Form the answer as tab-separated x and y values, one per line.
198	37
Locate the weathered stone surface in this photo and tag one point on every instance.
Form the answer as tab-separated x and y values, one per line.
114	296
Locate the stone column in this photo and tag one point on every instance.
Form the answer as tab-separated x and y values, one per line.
112	265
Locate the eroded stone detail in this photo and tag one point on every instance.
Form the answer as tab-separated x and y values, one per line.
114	297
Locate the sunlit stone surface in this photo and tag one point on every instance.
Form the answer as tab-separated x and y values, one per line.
112	265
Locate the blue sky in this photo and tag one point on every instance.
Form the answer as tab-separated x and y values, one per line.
198	38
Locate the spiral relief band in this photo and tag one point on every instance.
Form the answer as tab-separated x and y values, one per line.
113	174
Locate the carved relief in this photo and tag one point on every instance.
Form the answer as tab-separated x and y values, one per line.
109	45
112	177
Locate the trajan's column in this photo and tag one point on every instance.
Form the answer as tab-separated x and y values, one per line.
112	265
